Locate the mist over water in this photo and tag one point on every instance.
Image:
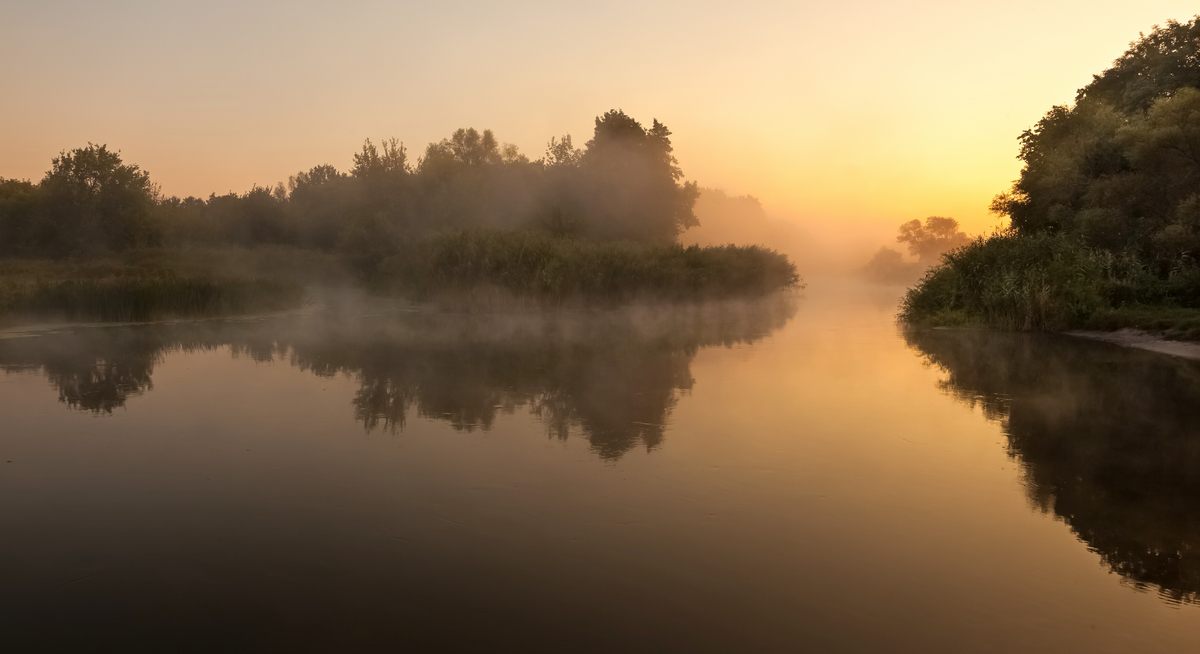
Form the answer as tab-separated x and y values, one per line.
791	473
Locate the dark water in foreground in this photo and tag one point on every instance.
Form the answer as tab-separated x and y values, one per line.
782	476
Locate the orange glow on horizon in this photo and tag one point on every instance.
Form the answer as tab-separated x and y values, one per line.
856	116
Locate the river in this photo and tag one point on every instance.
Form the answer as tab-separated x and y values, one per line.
789	475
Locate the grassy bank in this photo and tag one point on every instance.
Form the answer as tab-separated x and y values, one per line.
157	284
472	268
1045	282
535	264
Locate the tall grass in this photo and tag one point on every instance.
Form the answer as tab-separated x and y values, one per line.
119	290
528	263
1025	283
1050	282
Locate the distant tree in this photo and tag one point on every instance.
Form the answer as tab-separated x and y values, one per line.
316	177
888	266
256	218
926	241
929	240
370	163
12	188
560	153
466	147
186	221
626	184
323	200
18	200
743	220
92	201
511	154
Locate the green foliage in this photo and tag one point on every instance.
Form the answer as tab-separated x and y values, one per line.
1009	281
538	264
1155	65
1121	167
89	201
18	201
1051	282
1106	212
121	299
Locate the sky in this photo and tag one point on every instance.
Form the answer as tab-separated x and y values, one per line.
846	116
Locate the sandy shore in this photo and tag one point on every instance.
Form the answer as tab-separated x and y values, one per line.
1145	341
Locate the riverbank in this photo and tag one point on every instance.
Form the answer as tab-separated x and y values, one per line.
148	285
465	270
532	265
1143	340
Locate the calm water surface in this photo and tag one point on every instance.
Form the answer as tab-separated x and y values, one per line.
785	476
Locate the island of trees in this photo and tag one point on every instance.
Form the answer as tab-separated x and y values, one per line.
96	239
1105	217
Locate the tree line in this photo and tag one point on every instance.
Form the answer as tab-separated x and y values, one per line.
624	184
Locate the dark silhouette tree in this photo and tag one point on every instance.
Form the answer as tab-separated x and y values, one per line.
92	201
1118	168
625	185
371	163
634	179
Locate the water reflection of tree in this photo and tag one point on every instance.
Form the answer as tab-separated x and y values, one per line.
95	372
612	377
1109	440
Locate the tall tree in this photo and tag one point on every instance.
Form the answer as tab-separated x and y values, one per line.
635	181
1120	168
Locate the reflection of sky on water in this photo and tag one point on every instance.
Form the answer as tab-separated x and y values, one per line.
747	479
1109	440
611	375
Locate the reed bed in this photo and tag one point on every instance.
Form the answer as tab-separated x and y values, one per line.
538	265
1047	282
117	291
